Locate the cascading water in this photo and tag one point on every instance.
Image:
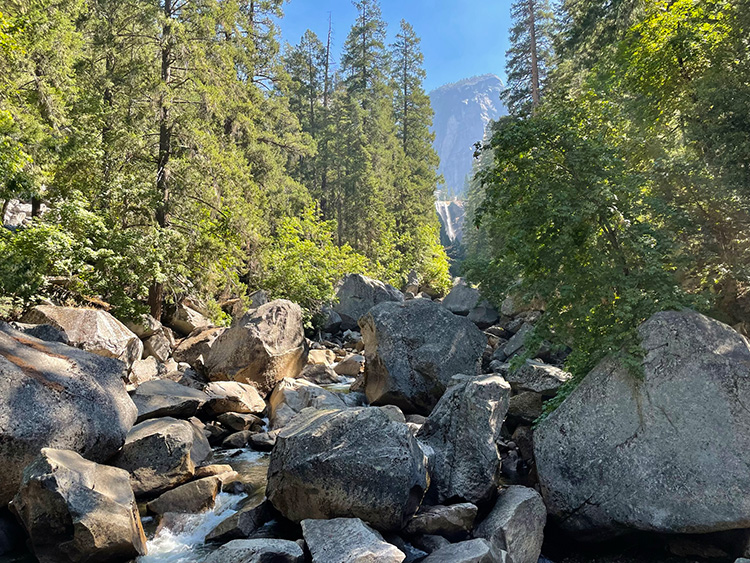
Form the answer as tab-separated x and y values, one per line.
451	215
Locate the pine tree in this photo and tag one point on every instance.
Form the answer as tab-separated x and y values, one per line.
530	56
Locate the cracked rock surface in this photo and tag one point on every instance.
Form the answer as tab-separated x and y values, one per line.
665	450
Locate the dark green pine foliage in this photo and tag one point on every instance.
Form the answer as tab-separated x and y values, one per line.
530	55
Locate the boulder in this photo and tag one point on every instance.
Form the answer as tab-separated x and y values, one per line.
461	299
484	315
321	357
144	326
237	440
453	522
144	370
232	396
48	333
516	524
258	551
525	407
194	349
329	320
320	374
347	540
92	330
412	350
77	510
184	319
52	395
193	497
518	340
163	397
290	396
350	366
463	430
239	422
265	346
354	463
664	450
162	453
159	345
470	551
537	377
356	294
264	441
242	523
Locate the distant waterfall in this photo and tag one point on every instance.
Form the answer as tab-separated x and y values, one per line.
451	215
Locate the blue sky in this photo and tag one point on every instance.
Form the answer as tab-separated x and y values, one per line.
460	38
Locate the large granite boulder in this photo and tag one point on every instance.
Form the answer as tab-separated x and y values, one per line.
412	350
52	395
163	397
516	524
462	298
463	431
162	453
195	348
356	294
291	396
664	450
347	540
76	510
92	330
454	522
232	396
356	463
470	551
258	551
265	346
537	377
184	318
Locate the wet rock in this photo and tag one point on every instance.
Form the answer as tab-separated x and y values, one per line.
162	397
347	540
350	366
664	451
357	294
53	395
92	330
264	441
242	523
258	551
516	524
462	431
290	396
239	422
537	377
471	551
453	522
193	497
265	346
162	453
194	349
237	439
347	463
413	349
77	510
232	396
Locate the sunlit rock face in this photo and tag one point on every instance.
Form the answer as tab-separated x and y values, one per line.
462	111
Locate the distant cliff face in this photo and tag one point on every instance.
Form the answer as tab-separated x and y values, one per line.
462	111
451	215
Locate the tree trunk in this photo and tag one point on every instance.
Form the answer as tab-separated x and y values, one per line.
36	206
534	57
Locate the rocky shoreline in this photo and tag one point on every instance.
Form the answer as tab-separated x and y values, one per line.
399	433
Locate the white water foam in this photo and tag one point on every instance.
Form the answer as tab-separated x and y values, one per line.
186	544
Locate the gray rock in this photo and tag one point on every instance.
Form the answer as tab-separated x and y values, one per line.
484	315
237	439
516	304
518	340
53	395
290	396
92	330
537	377
48	333
242	523
516	524
144	327
320	375
330	320
162	453
194	349
232	396
258	551
239	422
184	319
191	498
453	522
429	542
265	346
663	452
462	431
163	397
159	345
263	442
347	463
144	370
257	298
525	407
413	349
347	540
357	294
76	510
470	551
461	299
